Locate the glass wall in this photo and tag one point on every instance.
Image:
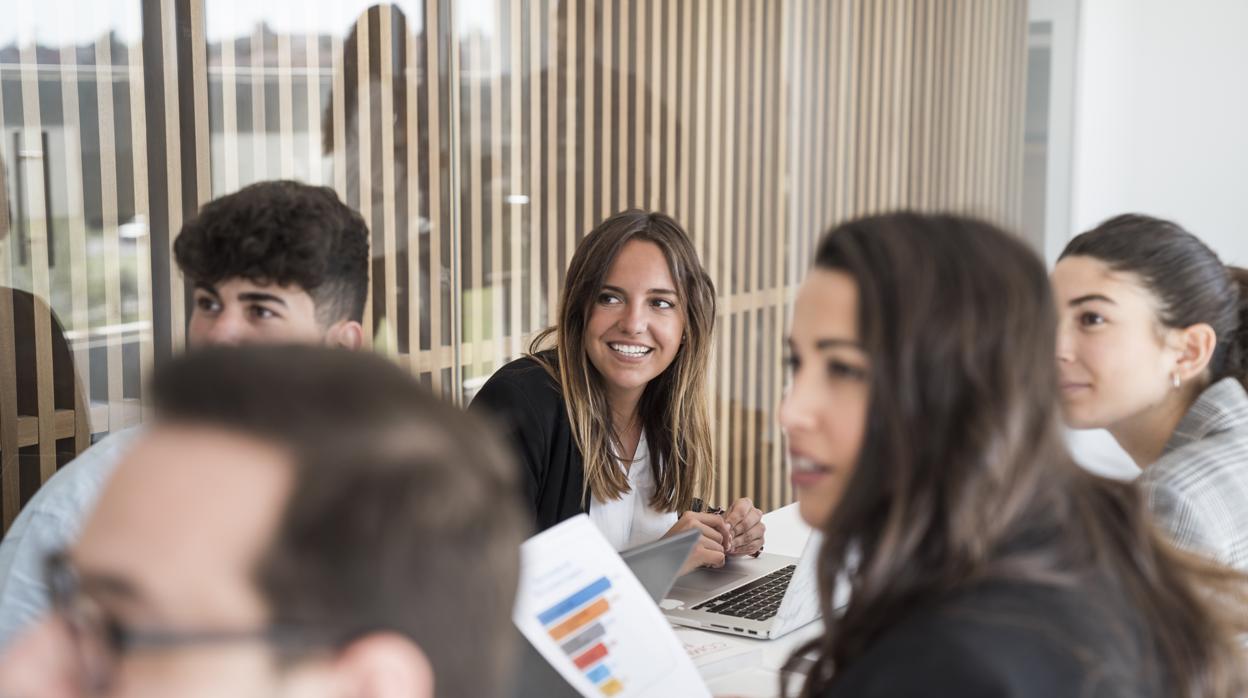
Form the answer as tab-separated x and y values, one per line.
481	139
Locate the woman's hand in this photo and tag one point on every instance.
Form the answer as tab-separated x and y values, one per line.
747	529
710	548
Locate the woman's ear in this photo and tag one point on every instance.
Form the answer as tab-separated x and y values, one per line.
1196	345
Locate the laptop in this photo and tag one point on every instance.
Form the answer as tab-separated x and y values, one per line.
654	564
764	597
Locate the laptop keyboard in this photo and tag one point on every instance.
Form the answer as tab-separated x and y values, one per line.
758	600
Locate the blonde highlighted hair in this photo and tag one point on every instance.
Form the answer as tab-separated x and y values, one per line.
673	407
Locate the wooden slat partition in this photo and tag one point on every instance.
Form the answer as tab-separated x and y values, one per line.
481	146
32	159
10	476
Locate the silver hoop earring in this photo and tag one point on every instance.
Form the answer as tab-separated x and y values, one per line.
1178	382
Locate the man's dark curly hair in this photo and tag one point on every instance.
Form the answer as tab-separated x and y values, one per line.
282	232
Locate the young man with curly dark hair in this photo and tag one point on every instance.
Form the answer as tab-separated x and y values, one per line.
275	262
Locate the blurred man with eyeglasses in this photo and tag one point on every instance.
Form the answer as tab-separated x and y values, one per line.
275	262
296	522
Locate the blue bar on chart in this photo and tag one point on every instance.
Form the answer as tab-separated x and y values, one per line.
576	600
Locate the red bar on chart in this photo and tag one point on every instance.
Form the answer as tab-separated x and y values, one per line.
595	653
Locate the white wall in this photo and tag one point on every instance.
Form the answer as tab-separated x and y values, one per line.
1161	116
1161	127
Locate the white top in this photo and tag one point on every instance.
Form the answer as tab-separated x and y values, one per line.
48	523
629	521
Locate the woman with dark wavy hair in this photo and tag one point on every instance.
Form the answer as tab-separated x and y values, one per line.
612	420
1152	345
926	443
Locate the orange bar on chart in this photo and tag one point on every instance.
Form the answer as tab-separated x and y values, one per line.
583	617
611	687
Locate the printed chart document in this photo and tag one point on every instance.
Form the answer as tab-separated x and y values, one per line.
586	613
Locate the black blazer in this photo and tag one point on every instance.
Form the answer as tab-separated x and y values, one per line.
1009	640
527	403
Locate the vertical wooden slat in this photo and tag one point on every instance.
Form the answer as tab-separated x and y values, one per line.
515	212
996	153
686	132
963	84
623	75
472	60
656	96
10	473
698	219
364	153
926	109
143	245
670	200
259	131
538	234
1017	80
497	227
553	163
570	166
635	16
852	40
112	242
878	86
902	81
792	75
416	294
199	68
433	90
173	174
887	52
714	145
455	122
798	144
229	113
607	135
10	482
769	362
942	138
714	225
974	73
722	260
79	316
312	59
285	107
588	80
386	91
338	109
779	477
811	82
838	130
750	377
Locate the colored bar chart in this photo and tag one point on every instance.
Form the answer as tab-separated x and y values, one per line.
576	618
589	618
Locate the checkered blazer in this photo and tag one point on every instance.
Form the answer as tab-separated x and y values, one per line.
1198	489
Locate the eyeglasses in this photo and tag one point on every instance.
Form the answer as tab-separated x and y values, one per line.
100	640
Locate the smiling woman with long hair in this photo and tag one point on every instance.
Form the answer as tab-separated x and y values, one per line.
925	437
612	420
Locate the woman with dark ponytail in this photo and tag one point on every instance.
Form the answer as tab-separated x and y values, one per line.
925	439
1153	346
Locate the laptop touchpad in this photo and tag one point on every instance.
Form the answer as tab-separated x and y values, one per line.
710	580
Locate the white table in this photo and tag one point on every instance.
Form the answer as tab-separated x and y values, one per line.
786	535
